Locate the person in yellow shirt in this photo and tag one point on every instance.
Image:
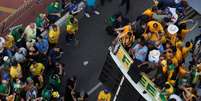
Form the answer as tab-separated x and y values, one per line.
37	69
186	49
16	71
104	95
54	34
9	41
155	27
122	32
149	12
183	30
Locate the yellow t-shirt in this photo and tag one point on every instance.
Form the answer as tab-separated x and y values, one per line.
102	96
148	12
9	41
15	72
175	61
185	50
53	36
184	33
178	55
155	30
126	29
37	70
154	37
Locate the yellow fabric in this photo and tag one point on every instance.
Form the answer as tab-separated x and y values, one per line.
102	96
184	33
127	41
173	40
9	41
154	37
175	61
178	55
53	36
186	50
148	12
182	71
170	90
126	29
15	72
37	69
164	66
155	30
179	43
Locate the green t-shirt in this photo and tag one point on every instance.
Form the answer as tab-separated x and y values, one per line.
15	33
3	88
39	21
74	25
54	7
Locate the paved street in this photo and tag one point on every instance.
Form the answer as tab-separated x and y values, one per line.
93	46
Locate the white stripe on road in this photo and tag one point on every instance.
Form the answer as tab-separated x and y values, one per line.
94	88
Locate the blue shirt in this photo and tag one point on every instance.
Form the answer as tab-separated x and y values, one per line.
140	53
91	2
42	46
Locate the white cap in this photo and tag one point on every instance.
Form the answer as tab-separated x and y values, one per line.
172	29
5	58
154	56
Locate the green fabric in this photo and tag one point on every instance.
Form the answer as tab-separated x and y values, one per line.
68	19
3	88
55	80
171	67
54	7
111	20
68	22
39	21
46	94
16	35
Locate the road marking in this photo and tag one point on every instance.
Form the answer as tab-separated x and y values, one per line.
7	10
94	88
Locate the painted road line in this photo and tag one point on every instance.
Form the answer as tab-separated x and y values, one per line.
94	88
7	10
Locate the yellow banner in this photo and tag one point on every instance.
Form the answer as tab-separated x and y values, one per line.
124	58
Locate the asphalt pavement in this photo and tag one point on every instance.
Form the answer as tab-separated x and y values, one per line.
93	45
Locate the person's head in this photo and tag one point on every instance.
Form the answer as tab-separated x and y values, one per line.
118	16
14	64
129	34
184	3
20	30
54	27
168	44
42	15
154	9
157	43
142	41
155	25
72	20
106	90
34	63
39	38
182	26
32	25
188	44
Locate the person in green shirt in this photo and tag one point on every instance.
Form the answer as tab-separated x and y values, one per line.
54	11
41	22
71	29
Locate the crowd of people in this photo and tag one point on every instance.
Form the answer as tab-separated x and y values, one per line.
30	69
156	41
